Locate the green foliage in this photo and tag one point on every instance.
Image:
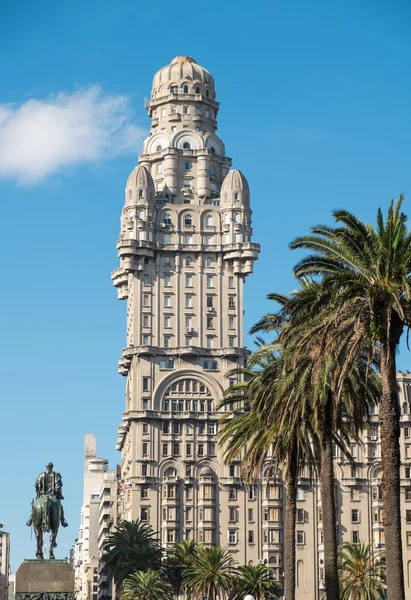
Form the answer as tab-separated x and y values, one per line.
255	580
147	585
212	574
361	573
133	546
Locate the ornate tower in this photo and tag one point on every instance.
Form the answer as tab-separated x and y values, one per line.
185	250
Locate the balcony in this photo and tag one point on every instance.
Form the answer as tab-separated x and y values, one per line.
174	117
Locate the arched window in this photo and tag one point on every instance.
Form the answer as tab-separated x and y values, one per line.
170	472
185	89
212	150
209	261
272	560
188	220
188	395
198	91
140	213
209	221
130	195
405	408
167	219
186	146
207	93
189	260
236	217
140	193
236	196
159	148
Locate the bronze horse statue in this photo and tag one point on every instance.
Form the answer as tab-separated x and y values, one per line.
47	511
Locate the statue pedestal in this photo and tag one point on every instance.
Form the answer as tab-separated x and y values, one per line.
44	580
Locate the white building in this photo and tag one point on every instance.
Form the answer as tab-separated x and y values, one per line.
4	563
86	550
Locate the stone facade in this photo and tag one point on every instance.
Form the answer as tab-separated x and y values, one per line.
45	580
4	563
185	250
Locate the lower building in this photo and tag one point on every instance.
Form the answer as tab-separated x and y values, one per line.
4	563
85	555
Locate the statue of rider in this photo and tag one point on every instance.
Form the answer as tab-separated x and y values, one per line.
49	483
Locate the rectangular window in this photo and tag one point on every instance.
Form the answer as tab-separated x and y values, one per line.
408	534
355	537
231	282
189	322
146	403
145	384
187	165
251	492
212	428
408	494
250	515
232	515
231	341
209	322
209	301
200	450
188	450
145	449
231	302
186	110
407	472
232	493
166	427
230	322
167	281
189	515
189	302
165	449
300	515
146	322
355	516
176	449
209	240
212	170
146	340
406	432
211	448
146	300
163	112
188	340
251	536
189	281
408	516
167	301
144	491
167	321
232	536
146	279
167	341
177	428
144	470
143	514
210	281
232	470
300	538
145	427
188	240
167	260
209	342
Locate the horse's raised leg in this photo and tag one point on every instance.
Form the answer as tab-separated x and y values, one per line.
39	538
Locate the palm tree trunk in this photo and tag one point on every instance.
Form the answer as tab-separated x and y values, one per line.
332	585
390	458
290	520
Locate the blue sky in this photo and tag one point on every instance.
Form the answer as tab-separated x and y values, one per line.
315	110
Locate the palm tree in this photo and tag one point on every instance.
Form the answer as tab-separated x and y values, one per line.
302	416
132	546
183	555
261	429
255	580
367	272
211	575
361	573
147	585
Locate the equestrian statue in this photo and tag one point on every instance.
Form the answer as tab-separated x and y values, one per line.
47	511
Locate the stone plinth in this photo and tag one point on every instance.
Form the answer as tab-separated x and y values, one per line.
44	580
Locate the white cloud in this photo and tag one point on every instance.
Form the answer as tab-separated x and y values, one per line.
41	137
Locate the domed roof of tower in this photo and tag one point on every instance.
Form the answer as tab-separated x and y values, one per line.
235	188
140	185
183	70
235	181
